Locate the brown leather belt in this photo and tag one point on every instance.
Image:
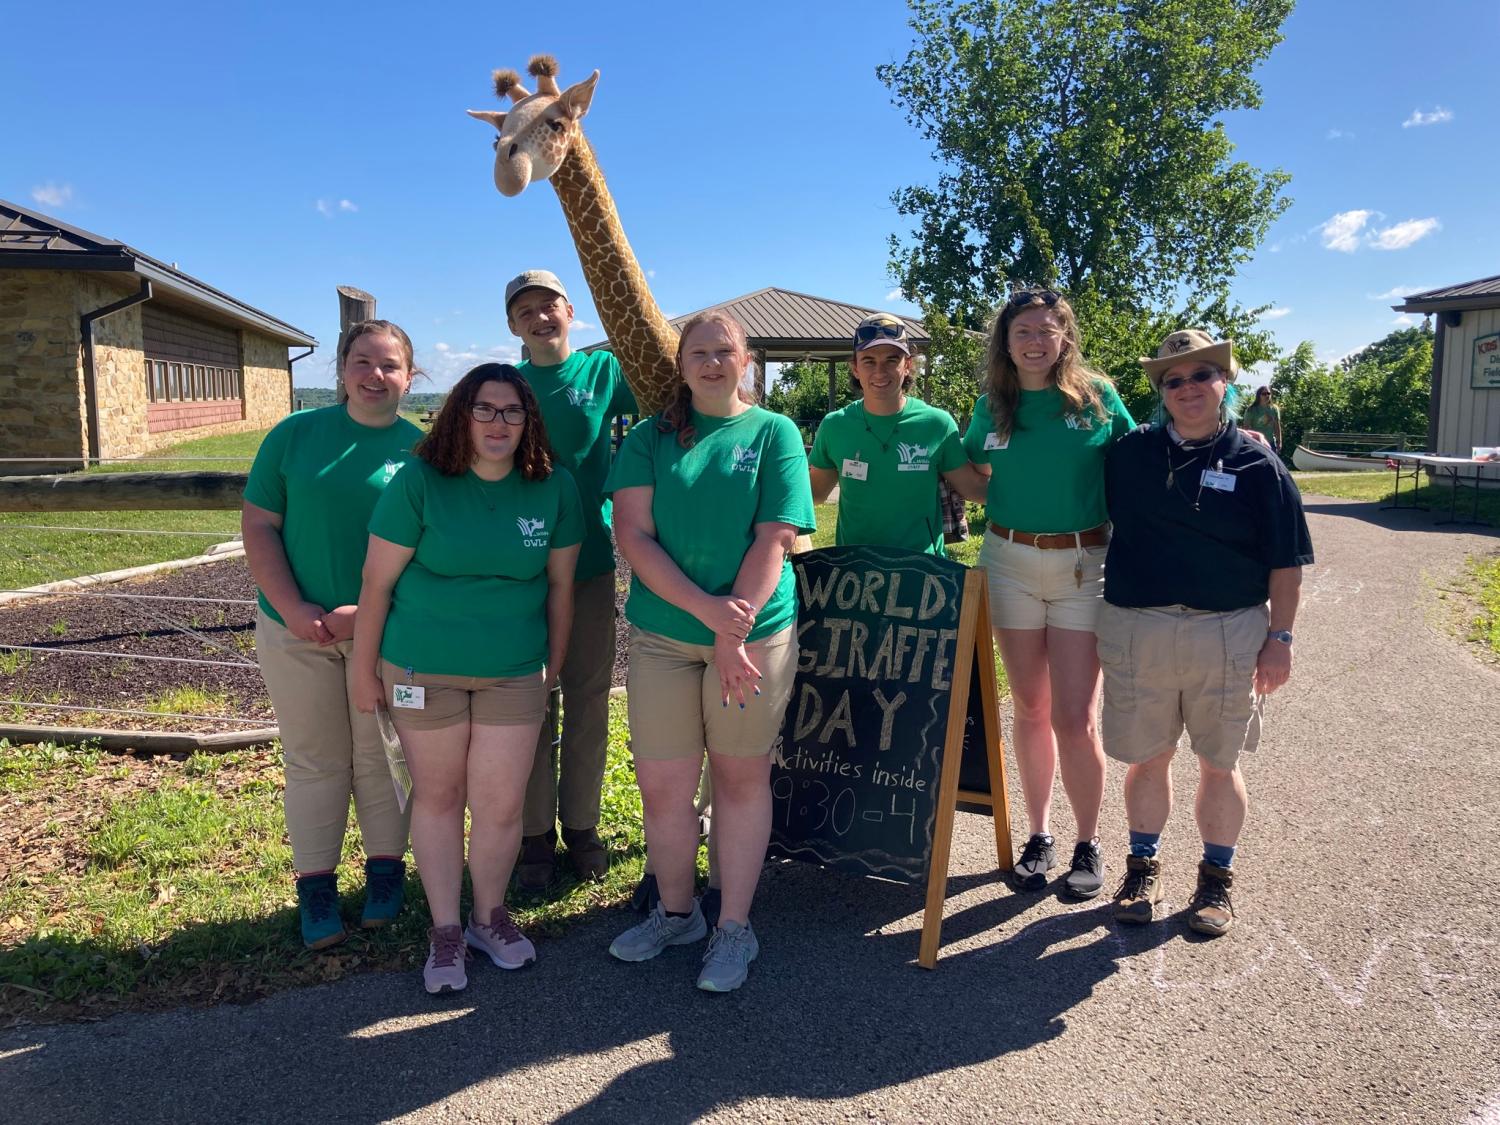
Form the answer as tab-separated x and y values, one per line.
1056	541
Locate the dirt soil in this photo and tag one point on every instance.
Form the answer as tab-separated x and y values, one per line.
223	633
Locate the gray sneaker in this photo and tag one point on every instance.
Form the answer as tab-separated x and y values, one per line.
1038	857
645	940
1085	877
727	962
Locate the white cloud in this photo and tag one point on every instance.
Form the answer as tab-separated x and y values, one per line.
442	347
445	366
582	324
1402	235
1275	314
1406	320
893	295
52	195
1342	231
345	205
328	209
1338	135
1439	116
1397	291
650	273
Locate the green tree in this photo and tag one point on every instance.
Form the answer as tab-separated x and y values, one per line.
953	367
1080	144
801	392
1310	394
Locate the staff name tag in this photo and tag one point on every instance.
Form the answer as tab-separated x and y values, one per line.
992	441
413	697
856	470
1224	482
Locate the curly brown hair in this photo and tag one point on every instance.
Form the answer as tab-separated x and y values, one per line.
677	416
449	446
1078	382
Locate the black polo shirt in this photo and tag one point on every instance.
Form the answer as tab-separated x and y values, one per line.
1217	555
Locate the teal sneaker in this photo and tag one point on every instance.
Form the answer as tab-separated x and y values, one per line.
727	962
645	940
318	904
385	892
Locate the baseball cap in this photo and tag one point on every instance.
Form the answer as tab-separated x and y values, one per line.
882	328
533	279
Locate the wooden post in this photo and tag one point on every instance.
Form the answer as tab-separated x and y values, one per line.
760	374
117	492
833	385
355	305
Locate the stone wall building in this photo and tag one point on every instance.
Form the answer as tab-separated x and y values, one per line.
106	352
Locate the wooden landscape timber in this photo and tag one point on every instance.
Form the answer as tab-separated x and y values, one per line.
117	492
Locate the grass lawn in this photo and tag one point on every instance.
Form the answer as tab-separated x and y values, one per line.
29	557
1483	590
1378	487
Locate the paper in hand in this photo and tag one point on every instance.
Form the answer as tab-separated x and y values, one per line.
395	757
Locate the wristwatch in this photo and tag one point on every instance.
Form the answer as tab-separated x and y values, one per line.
1282	635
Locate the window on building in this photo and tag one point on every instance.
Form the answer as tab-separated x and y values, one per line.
169	381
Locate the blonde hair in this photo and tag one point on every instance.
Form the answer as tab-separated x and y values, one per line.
374	328
1078	382
677	416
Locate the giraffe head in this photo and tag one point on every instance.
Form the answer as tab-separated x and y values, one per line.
536	133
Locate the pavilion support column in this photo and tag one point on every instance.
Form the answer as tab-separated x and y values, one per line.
833	385
760	374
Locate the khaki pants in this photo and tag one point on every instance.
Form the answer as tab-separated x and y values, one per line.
568	790
329	750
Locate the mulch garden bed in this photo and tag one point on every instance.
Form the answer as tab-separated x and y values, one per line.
192	630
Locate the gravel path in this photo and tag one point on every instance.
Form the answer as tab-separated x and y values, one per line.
1360	982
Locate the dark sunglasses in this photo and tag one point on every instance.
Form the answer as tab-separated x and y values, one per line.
1033	297
484	412
1202	375
880	330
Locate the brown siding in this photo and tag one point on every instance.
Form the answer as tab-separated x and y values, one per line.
169	334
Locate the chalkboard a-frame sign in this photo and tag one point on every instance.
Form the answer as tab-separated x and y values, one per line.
894	704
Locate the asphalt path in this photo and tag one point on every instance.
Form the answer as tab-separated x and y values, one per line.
1359	984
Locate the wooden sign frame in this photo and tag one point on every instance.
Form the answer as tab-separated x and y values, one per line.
975	651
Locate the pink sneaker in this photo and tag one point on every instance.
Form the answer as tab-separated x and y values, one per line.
500	941
444	971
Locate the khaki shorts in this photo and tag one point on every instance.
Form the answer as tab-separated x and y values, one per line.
1033	588
1169	669
486	701
676	707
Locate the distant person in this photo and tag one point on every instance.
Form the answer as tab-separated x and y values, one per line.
1207	526
709	497
462	631
1264	416
315	481
887	451
579	394
1040	431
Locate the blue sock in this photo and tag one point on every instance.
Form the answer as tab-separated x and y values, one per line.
1143	845
1217	854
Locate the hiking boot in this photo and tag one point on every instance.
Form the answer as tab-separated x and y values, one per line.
1037	858
1140	890
586	852
1209	910
727	962
444	971
645	940
535	865
1085	877
385	892
646	895
500	940
318	905
711	903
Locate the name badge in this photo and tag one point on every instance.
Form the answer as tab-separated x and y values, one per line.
1224	482
992	441
856	470
413	697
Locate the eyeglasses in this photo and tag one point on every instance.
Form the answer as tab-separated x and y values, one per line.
879	330
1033	297
484	412
1202	375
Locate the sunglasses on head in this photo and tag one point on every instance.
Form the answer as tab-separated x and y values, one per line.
1033	297
880	330
1202	375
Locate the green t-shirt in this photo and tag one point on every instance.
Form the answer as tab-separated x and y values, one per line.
578	398
888	468
473	599
1264	419
322	472
1049	474
741	471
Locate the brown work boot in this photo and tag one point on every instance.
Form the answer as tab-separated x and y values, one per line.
1210	911
534	866
586	852
1140	890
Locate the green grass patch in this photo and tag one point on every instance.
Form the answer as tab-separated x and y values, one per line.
180	457
188	701
1484	591
1380	487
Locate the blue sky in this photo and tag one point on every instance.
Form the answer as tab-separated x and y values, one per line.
278	150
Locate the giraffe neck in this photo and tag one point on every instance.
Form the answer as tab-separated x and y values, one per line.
639	335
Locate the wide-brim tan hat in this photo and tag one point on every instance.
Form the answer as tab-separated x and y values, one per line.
1187	345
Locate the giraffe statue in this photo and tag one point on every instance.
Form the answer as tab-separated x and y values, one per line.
540	139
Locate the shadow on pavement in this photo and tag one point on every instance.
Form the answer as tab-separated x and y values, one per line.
1400	519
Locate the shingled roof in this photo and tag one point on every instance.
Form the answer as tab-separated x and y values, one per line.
31	240
1484	293
790	326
